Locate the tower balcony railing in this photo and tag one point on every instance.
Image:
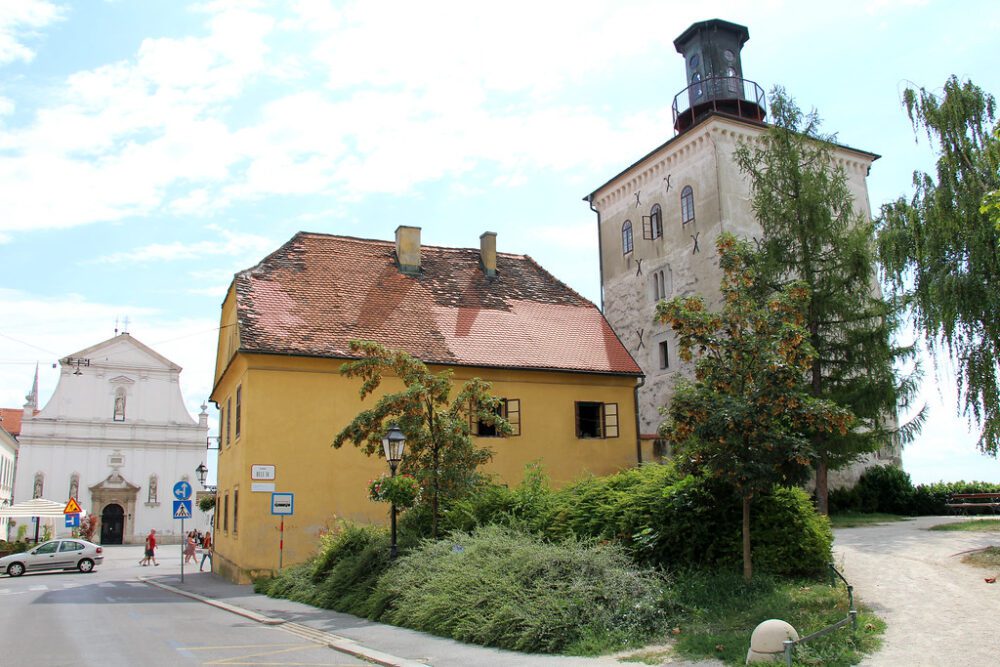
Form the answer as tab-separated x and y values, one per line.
724	94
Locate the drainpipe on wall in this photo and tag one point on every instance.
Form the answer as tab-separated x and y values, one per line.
638	431
600	253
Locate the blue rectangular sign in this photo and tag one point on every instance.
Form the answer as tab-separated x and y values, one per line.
72	520
283	504
182	509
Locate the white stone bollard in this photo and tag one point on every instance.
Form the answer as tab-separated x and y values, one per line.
767	643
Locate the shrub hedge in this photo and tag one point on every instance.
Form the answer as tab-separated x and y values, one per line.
661	517
890	490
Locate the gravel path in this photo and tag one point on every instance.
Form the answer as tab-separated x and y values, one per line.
939	610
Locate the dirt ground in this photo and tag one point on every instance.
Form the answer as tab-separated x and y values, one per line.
940	611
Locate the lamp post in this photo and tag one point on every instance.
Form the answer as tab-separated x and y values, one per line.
393	443
202	472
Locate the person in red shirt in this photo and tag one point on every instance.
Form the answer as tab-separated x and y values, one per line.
150	549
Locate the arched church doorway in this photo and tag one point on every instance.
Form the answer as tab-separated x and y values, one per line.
112	524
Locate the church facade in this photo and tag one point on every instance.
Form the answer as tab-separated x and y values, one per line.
116	436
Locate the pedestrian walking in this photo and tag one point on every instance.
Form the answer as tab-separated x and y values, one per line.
150	549
206	545
189	547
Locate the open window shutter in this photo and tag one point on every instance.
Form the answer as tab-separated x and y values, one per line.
610	420
576	406
514	415
647	228
473	419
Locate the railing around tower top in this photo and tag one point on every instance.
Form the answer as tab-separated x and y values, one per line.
726	94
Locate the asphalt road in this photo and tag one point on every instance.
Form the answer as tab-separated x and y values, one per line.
109	618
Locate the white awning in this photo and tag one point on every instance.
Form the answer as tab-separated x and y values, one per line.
39	507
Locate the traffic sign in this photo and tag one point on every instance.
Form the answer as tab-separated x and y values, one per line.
182	490
283	504
72	507
182	509
72	520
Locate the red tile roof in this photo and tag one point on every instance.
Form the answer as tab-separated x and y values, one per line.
10	420
318	292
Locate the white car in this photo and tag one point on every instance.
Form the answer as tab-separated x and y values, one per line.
68	554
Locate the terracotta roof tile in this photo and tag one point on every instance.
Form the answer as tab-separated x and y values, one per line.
10	420
318	292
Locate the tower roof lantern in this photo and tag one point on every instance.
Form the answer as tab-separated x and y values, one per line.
741	31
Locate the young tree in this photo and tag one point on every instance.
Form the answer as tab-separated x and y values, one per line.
748	416
941	250
439	451
813	233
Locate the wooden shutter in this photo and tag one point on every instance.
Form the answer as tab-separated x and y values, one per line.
610	420
473	419
647	228
513	415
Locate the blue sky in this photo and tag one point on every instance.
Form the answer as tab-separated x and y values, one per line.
149	149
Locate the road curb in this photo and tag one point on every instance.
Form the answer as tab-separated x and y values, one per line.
341	644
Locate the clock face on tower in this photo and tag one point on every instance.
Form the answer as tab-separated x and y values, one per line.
729	56
694	61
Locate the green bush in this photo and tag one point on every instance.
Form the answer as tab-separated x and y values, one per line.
661	517
499	587
888	489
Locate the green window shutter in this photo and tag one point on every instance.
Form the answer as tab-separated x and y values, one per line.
513	410
610	420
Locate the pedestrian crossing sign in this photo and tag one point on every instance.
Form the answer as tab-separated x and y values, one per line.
182	509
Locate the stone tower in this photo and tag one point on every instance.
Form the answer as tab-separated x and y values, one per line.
659	218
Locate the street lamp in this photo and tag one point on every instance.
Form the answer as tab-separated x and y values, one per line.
202	472
393	443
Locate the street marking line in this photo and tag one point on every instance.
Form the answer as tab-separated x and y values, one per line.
38	588
228	661
239	646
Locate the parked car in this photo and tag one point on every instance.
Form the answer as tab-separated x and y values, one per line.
68	554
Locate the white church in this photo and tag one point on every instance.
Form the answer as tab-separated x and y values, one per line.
116	436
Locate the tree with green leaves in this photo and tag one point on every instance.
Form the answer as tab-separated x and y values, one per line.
748	416
812	232
439	450
941	250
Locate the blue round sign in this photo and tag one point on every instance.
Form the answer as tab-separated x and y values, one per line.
182	490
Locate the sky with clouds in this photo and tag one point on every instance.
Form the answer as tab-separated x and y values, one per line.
150	149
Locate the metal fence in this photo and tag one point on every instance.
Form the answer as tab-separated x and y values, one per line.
852	618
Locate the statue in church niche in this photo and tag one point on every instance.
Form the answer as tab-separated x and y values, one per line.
38	485
120	406
74	486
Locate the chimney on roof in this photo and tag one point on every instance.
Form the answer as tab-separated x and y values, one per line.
408	249
488	253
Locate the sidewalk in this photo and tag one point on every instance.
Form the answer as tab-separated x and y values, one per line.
382	644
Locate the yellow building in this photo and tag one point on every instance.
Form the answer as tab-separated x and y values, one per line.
569	384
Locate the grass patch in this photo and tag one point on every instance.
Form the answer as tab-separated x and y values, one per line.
855	519
721	610
975	525
987	558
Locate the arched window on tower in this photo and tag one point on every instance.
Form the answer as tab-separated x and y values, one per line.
656	221
687	205
627	237
120	404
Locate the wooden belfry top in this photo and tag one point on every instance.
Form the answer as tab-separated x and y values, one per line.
317	292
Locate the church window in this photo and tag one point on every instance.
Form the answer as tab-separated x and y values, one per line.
239	401
153	484
687	204
39	485
120	404
627	237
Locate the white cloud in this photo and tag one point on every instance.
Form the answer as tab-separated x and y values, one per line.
568	237
19	22
231	244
